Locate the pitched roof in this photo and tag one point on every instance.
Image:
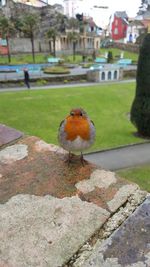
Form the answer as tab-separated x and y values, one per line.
121	14
136	23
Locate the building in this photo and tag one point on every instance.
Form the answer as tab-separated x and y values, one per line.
134	30
58	8
70	7
36	3
3	47
107	72
118	25
145	18
88	41
2	3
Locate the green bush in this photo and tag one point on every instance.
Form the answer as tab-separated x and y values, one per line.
110	57
140	110
65	81
41	82
86	65
21	83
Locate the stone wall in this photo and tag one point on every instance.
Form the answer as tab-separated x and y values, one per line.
17	45
107	73
52	214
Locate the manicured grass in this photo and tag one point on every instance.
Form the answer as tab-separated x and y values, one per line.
69	59
115	52
24	58
139	175
42	58
40	112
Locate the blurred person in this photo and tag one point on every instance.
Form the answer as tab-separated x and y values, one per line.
26	78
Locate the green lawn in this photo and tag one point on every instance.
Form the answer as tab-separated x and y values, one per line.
139	175
24	58
40	112
42	58
115	52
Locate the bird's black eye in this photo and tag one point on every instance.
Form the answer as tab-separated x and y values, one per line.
81	114
72	113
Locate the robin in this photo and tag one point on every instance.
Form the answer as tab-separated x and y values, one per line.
76	132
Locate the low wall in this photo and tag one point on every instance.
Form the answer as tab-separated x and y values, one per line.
23	45
49	210
129	73
104	75
17	45
41	81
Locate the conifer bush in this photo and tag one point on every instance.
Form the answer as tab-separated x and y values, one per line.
140	110
110	57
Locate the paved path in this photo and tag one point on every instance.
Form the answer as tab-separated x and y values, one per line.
69	85
122	157
34	74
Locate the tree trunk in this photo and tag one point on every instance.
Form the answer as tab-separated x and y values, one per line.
50	47
54	46
74	51
8	53
32	45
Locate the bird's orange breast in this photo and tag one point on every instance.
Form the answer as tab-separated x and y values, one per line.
77	126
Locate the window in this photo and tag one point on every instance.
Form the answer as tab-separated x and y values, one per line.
103	76
116	31
115	74
109	75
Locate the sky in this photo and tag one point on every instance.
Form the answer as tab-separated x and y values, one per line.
101	16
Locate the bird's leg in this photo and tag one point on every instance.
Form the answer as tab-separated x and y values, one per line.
69	157
82	159
68	160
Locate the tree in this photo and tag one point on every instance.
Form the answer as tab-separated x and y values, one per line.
73	24
110	57
140	110
29	25
52	34
145	5
6	30
73	37
79	17
73	34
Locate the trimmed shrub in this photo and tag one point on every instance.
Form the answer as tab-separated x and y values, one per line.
41	82
56	70
110	57
140	110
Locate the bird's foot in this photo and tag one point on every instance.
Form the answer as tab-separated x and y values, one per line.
83	161
69	158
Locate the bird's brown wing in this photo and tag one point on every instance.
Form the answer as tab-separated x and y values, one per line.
61	124
92	122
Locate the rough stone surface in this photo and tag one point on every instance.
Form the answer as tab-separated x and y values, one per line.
109	227
99	178
45	231
122	194
37	168
50	210
129	246
43	146
13	153
8	135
